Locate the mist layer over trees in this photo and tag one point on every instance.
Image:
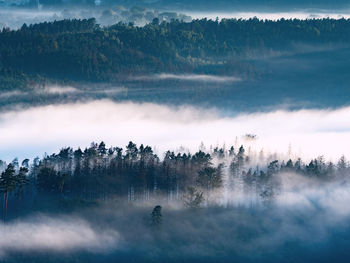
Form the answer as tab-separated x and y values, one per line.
138	175
222	205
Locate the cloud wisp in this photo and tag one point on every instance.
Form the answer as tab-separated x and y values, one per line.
62	234
189	77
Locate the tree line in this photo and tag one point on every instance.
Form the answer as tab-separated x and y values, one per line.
82	50
137	174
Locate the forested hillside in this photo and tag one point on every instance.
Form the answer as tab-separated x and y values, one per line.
82	50
136	174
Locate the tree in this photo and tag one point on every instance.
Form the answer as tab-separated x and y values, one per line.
156	216
48	180
102	150
21	181
193	198
7	184
210	178
25	163
272	168
342	165
240	156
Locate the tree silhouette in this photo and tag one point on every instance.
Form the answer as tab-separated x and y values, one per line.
193	198
21	181
156	216
7	185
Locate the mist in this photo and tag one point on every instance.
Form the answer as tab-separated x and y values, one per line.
309	133
15	17
189	77
60	234
270	15
305	221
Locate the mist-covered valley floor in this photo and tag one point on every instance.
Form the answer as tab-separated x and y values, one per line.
213	234
301	225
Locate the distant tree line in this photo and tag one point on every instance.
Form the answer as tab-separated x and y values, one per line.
82	50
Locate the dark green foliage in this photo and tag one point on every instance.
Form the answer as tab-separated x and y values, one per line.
81	50
156	216
11	181
7	179
210	178
48	180
21	181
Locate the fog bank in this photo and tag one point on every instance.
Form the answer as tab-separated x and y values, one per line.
304	133
62	234
302	14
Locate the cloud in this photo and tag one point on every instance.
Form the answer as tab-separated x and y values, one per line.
271	15
8	94
57	90
60	234
309	133
189	77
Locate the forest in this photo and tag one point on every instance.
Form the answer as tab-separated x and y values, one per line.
81	50
138	175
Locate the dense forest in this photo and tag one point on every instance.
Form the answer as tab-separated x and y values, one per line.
136	174
82	50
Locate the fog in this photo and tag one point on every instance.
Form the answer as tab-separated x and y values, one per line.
59	234
306	221
189	77
302	14
302	133
16	17
49	90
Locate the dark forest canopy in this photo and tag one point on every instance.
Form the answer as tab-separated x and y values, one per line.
82	50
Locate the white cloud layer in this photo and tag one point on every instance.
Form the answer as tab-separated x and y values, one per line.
271	15
33	131
60	235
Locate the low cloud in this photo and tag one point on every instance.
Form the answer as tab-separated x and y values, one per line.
189	77
57	90
307	133
62	234
307	14
54	90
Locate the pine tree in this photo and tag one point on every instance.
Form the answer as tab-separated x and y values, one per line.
156	216
7	185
